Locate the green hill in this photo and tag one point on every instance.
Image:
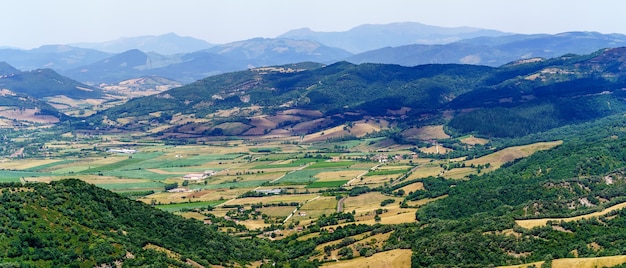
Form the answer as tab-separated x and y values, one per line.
72	223
46	83
519	98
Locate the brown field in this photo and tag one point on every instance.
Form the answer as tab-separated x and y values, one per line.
393	258
413	187
28	115
471	140
358	129
529	224
509	154
426	133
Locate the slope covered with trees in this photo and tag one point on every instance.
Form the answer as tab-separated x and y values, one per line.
71	222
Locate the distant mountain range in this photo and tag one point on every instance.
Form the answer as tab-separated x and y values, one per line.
186	60
166	44
493	51
190	67
374	36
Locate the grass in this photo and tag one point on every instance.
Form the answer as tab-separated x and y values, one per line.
14	176
326	184
319	165
180	206
294	163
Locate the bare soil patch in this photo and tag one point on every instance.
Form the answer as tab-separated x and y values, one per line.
426	133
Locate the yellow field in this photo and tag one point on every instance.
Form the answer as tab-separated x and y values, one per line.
314	209
392	259
578	262
542	222
338	175
425	171
413	187
509	154
437	149
424	201
459	173
377	179
471	140
24	164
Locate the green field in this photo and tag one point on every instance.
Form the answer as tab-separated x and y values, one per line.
318	165
326	184
294	163
14	176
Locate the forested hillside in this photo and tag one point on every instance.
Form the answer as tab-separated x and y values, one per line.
476	224
72	223
514	100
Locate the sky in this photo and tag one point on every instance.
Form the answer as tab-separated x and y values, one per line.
32	23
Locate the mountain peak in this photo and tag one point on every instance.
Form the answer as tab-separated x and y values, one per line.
6	69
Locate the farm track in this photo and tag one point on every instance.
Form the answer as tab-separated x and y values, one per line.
340	204
296	210
360	175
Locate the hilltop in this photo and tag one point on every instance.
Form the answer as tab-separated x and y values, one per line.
563	90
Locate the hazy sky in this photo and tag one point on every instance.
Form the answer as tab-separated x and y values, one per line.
31	23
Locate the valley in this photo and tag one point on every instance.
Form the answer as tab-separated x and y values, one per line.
486	150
